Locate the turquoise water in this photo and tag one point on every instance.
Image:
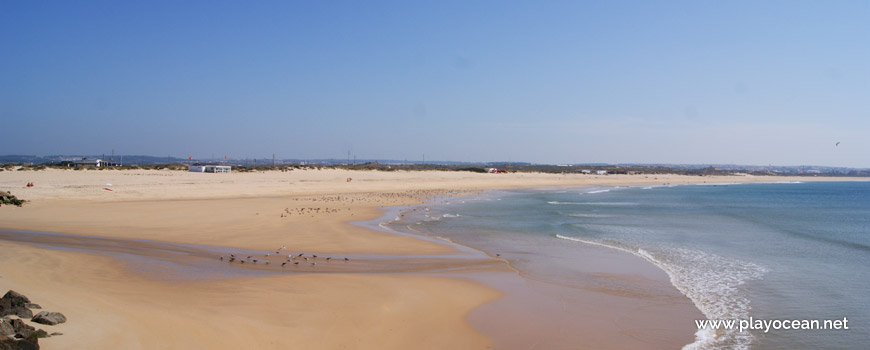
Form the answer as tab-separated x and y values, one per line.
787	251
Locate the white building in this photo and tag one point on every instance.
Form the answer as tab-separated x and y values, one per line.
92	162
206	168
601	172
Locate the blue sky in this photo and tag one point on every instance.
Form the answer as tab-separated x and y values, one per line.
747	82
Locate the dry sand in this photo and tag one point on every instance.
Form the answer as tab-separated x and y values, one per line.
111	305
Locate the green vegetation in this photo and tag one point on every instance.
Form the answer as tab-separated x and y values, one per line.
476	168
8	198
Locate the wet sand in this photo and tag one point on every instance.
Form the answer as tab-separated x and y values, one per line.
425	302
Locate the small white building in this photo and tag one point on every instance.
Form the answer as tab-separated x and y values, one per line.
92	162
208	168
601	172
586	171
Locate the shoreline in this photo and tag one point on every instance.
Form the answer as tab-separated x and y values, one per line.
243	211
557	327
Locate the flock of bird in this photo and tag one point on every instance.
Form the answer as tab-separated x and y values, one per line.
293	259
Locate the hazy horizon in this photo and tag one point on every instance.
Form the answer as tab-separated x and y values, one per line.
678	82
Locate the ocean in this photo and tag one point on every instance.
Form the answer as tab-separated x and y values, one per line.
772	251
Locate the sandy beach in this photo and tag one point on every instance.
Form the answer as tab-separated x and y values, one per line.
431	301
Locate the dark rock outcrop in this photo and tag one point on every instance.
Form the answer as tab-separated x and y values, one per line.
49	318
22	330
6	328
14	303
31	343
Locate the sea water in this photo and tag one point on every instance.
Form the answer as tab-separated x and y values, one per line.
774	251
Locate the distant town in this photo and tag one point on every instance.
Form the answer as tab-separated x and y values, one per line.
9	162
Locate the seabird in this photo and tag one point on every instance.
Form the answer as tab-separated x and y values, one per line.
346	259
283	263
837	144
296	263
222	258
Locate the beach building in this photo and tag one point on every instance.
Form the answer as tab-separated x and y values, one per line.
601	172
92	162
209	168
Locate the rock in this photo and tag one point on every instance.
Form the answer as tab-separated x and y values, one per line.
13	303
56	334
17	298
49	318
41	333
32	306
31	343
6	328
22	330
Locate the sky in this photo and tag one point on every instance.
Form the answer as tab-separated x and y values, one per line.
734	82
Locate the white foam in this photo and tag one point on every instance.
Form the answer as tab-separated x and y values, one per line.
716	184
598	191
588	215
710	281
591	203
